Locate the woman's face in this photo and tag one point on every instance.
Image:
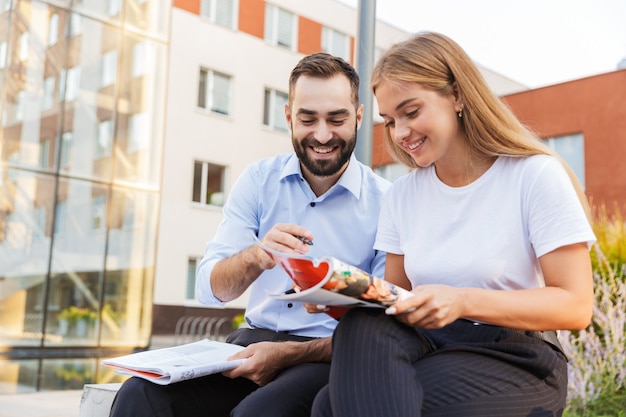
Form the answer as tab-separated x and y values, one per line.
421	122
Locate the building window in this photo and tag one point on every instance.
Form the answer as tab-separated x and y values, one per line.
75	24
44	153
336	43
191	279
70	82
105	139
138	130
208	183
59	217
98	212
572	149
48	93
23	47
221	12
274	110
66	149
53	29
114	7
109	68
280	27
214	91
143	57
20	99
3	54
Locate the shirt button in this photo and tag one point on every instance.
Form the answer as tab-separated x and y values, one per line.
312	204
289	305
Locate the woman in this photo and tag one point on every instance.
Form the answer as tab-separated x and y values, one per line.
489	230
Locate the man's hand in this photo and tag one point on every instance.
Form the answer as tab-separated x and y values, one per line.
263	361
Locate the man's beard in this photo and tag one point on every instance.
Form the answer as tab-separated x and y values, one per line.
324	167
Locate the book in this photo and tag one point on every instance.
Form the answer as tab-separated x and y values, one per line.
333	283
178	363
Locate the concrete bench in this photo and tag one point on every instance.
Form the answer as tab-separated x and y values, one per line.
97	399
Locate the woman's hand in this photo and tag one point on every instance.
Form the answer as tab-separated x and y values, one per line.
431	307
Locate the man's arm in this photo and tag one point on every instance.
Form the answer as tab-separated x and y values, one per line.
266	359
232	276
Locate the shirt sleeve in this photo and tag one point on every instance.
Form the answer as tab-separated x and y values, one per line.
555	214
233	235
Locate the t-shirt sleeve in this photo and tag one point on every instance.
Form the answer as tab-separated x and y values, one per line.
555	214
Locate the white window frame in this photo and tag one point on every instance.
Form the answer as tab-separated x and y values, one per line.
336	43
213	10
217	198
274	110
277	19
208	89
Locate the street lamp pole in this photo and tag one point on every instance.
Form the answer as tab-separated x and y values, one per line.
365	61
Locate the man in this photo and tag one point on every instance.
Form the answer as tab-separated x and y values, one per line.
321	193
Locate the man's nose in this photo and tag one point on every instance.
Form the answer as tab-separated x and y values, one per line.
323	133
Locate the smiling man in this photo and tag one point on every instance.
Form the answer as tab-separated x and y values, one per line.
319	192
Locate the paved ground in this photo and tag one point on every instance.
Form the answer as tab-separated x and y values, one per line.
55	403
41	404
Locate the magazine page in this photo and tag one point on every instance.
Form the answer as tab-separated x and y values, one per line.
331	282
178	363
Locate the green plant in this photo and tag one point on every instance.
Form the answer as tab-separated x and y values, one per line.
597	355
74	314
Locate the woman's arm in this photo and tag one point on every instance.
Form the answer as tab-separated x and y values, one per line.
565	303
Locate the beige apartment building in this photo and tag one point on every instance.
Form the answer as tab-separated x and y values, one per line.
124	124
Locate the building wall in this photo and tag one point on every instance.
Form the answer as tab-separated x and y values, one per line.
595	107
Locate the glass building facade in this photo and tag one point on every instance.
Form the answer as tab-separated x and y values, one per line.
82	99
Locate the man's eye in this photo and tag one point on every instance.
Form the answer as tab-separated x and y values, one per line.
307	121
337	122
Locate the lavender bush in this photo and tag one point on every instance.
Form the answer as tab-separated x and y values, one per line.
597	355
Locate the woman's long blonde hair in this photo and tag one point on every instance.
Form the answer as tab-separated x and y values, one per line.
436	62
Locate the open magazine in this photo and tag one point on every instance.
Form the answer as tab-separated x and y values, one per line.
178	363
333	283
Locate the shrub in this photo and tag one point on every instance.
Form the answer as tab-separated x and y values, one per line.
597	355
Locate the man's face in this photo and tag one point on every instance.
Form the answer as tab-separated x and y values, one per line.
323	124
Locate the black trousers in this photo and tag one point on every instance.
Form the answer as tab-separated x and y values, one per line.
382	367
291	393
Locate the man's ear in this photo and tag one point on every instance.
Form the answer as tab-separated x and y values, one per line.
288	115
359	116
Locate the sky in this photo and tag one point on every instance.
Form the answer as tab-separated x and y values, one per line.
534	42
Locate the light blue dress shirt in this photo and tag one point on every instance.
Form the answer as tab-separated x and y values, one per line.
343	222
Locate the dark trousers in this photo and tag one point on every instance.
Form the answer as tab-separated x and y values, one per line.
291	393
383	368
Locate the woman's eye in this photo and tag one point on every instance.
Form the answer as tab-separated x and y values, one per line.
389	123
412	114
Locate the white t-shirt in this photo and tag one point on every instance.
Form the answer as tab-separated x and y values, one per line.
488	234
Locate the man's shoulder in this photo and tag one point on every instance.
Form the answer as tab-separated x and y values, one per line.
372	180
272	164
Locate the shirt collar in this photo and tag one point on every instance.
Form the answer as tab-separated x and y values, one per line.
350	179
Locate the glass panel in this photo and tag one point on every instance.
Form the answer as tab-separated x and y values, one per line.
101	9
140	95
77	260
26	216
31	111
221	93
284	36
202	88
197	182
90	87
18	376
224	13
215	185
151	16
67	374
191	279
280	122
130	263
572	149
